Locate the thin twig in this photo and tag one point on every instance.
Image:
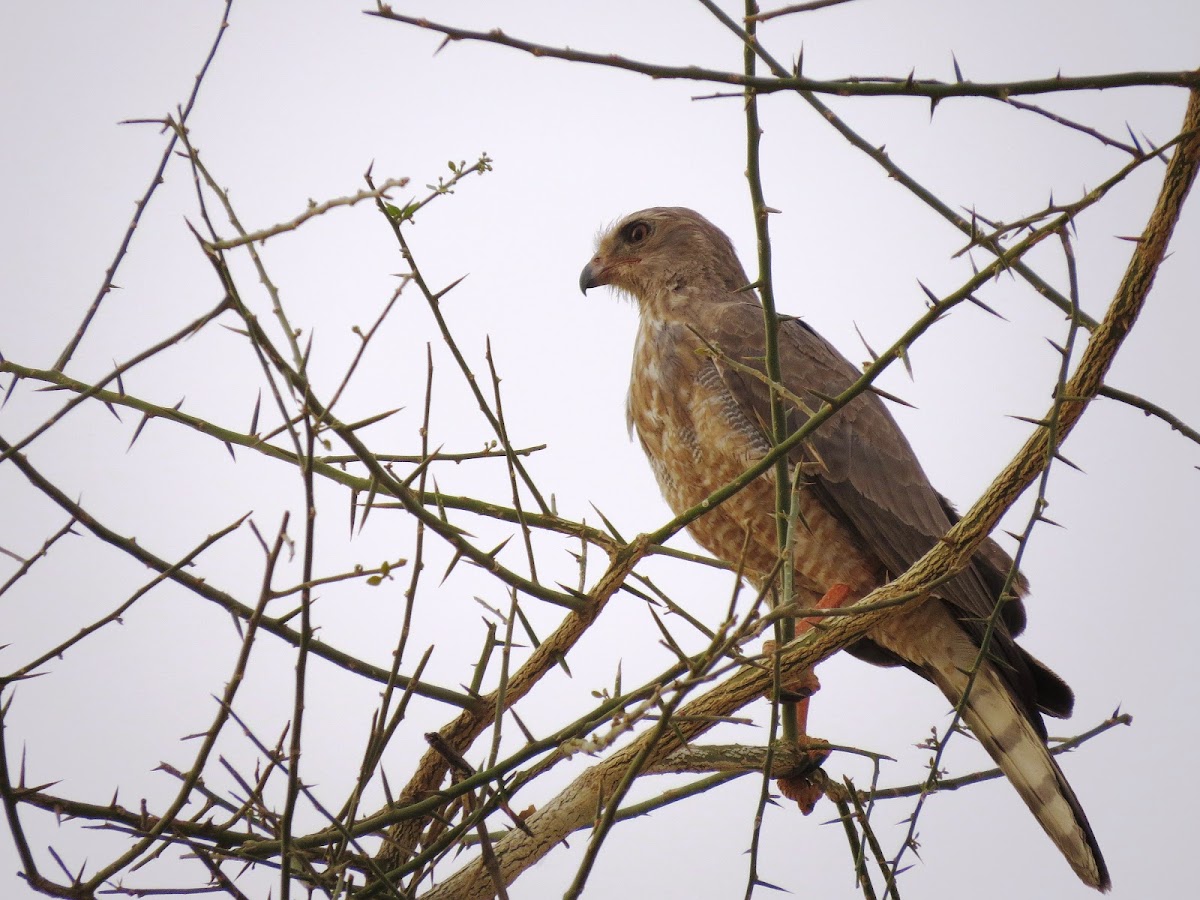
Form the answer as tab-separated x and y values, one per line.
140	206
1151	409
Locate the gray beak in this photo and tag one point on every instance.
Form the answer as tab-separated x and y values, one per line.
587	278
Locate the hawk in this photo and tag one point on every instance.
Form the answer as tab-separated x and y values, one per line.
703	415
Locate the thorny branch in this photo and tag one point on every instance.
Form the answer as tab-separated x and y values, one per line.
854	86
452	792
140	208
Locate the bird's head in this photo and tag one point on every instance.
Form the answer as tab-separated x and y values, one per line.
663	251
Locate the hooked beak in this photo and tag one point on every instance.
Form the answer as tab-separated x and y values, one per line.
590	277
605	270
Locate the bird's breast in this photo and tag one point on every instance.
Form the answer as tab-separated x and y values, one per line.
698	440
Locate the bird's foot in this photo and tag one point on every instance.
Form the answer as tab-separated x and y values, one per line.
804	783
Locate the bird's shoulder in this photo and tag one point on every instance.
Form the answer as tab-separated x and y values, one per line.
863	454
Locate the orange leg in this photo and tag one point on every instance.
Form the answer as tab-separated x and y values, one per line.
798	786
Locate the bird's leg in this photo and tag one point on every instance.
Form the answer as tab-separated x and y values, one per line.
834	598
802	686
800	785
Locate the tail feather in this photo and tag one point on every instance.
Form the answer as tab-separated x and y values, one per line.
1004	730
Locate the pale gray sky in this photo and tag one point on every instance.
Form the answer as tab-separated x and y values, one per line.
301	99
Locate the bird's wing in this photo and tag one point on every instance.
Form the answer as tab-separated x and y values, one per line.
869	476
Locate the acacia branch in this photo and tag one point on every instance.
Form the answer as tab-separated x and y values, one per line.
314	209
1151	409
843	87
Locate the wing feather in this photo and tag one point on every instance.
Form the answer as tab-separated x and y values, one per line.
870	477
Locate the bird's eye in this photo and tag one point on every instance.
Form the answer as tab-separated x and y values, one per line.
636	232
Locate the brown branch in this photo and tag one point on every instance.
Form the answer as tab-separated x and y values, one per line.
1151	409
844	87
314	209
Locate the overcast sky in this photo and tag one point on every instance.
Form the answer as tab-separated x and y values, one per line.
300	100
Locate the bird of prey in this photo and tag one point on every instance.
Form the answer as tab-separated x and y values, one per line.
701	407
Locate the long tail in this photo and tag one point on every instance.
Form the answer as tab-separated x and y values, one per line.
1010	739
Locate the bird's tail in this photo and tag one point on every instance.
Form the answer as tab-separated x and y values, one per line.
1004	730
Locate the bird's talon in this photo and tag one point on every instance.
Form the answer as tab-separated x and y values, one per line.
815	750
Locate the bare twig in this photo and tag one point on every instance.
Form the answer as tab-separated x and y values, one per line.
140	206
380	192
